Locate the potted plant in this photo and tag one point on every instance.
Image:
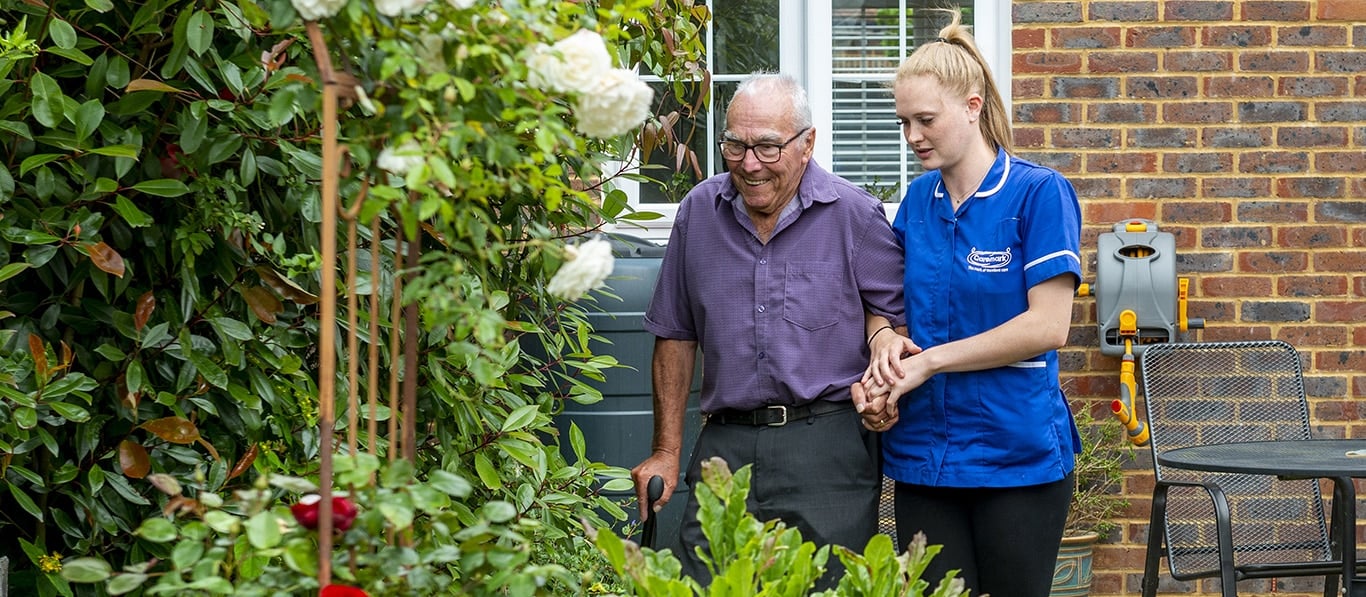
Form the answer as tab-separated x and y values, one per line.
1095	502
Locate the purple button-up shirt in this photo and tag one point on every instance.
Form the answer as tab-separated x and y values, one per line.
783	322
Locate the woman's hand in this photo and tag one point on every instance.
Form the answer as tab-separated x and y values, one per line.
886	351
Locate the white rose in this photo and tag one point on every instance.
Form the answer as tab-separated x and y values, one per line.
399	8
572	65
586	268
313	10
461	4
618	103
401	159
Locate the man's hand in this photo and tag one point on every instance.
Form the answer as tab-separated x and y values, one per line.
875	405
660	463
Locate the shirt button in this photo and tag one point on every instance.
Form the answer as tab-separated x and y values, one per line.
762	355
763	262
761	308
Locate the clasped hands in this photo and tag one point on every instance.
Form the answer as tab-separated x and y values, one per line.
890	374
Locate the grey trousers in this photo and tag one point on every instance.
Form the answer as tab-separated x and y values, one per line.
821	475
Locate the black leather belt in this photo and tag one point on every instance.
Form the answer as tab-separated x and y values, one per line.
776	415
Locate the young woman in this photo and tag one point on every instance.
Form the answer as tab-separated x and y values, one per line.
983	448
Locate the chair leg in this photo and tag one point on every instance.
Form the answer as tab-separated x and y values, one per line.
1157	535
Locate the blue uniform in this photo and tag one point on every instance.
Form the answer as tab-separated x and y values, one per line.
968	272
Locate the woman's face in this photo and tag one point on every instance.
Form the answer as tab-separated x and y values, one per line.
939	126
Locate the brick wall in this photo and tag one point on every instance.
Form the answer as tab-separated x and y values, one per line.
1239	126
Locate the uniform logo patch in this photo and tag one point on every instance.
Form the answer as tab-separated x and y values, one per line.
988	261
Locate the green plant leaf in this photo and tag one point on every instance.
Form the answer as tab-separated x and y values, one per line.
487	474
199	32
86	570
47	103
25	501
100	5
262	530
450	483
117	151
125	583
520	418
62	34
162	187
130	212
11	270
157	530
88	118
70	412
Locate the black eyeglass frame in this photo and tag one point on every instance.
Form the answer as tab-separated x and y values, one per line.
720	148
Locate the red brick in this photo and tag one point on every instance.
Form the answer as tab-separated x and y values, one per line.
1029	137
1199	61
1046	62
1268	162
1308	236
1275	10
1274	61
1027	87
1303	286
1313	87
1311	35
1320	187
1197	212
1236	187
1029	37
1215	332
1128	162
1241	36
1342	10
1351	361
1197	112
1160	37
1121	62
1085	37
1313	335
1236	286
1272	261
1273	211
1109	211
1238	86
1340	261
1347	162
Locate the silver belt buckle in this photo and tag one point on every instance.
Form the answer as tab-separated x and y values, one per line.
781	409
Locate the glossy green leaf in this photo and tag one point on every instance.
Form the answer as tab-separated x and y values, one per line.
37	160
487	473
86	570
162	187
126	582
100	5
130	212
450	483
47	103
157	530
117	151
70	412
62	34
11	270
520	418
199	32
24	501
263	531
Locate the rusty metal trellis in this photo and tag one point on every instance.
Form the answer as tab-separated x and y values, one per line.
401	343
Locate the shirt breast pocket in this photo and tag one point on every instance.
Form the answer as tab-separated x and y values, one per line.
812	293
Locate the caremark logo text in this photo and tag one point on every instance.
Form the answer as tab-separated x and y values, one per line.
988	261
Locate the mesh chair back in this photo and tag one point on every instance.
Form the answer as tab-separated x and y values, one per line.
1216	393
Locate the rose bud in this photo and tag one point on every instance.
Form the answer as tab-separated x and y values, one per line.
306	512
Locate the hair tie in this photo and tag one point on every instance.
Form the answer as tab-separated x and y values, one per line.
941	40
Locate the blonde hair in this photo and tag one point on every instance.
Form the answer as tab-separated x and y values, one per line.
954	60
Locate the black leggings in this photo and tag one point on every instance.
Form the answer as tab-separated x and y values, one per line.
1004	541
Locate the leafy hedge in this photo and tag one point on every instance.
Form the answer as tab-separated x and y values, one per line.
160	262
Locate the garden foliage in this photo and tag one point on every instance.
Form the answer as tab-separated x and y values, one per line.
160	273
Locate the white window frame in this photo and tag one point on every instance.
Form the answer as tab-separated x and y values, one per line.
805	51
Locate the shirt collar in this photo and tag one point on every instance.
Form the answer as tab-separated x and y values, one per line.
994	181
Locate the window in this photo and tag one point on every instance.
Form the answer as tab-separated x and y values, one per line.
846	53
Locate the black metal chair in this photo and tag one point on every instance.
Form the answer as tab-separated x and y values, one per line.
1221	525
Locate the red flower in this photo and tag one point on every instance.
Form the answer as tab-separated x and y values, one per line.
341	591
306	512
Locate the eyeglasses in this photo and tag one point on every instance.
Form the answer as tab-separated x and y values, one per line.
767	153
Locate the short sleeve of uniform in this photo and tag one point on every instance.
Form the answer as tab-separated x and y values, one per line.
1052	235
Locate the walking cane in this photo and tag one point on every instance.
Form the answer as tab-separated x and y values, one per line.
653	492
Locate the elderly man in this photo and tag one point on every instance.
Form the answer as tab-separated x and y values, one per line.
784	274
